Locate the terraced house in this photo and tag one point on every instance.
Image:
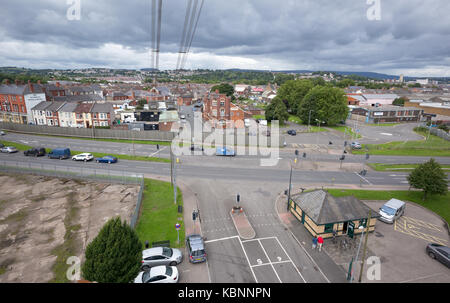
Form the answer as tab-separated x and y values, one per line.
16	101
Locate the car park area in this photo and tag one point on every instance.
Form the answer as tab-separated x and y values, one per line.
401	246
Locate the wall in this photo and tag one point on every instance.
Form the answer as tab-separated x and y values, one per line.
89	133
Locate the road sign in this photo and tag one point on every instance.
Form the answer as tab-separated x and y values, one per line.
177	226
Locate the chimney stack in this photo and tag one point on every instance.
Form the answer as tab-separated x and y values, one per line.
57	84
39	82
17	82
30	85
7	82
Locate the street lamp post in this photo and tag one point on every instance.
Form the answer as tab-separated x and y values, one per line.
309	119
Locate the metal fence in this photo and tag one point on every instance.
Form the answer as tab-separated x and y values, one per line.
80	173
97	133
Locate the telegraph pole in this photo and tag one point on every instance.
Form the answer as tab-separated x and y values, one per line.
365	247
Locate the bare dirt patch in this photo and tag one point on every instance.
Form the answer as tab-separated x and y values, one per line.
45	220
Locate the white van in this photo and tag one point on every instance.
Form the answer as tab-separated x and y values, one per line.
392	210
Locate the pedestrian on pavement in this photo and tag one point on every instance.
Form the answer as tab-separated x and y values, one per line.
314	242
320	241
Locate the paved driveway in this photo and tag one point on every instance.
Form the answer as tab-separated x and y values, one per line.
401	246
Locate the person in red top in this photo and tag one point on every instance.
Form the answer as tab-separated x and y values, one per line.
320	242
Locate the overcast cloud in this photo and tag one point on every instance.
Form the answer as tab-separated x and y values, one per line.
412	37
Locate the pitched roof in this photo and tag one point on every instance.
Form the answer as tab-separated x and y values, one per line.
78	98
102	108
68	107
324	208
41	106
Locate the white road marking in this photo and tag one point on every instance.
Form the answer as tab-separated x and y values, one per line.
285	252
158	151
386	134
363	178
271	264
221	239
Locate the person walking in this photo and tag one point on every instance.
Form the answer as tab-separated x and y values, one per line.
320	242
314	242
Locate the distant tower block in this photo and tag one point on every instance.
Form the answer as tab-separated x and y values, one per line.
401	79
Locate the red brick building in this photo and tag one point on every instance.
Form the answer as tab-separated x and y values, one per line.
221	112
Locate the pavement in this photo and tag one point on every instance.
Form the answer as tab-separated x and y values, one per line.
189	272
322	261
242	225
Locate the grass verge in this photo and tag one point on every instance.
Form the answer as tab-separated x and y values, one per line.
346	129
434	146
436	203
400	167
158	214
23	147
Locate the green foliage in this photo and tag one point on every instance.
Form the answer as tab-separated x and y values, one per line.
292	93
328	104
444	127
345	83
400	101
318	81
115	255
276	110
224	88
429	177
280	79
416	85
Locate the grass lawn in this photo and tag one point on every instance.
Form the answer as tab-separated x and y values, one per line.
295	119
434	146
23	147
346	129
400	167
436	203
111	140
159	214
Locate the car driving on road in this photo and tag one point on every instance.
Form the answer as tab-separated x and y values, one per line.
292	132
196	248
158	274
356	145
224	151
106	159
36	152
160	256
9	149
83	157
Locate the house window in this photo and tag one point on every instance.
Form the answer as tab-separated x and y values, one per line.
363	222
222	112
214	103
222	103
329	228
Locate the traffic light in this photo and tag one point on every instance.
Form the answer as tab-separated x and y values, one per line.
367	156
296	152
345	143
194	215
238	198
342	158
304	155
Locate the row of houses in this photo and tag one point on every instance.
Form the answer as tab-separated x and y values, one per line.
66	114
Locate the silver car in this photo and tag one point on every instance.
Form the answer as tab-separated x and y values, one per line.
9	149
160	256
158	274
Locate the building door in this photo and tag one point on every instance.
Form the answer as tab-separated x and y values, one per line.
344	228
303	217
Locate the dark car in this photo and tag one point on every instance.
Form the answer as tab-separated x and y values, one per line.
292	132
439	252
196	248
197	147
37	152
59	153
106	159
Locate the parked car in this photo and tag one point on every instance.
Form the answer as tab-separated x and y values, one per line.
392	210
356	145
106	159
160	256
83	157
158	274
2	133
37	152
1	145
59	153
9	149
224	151
439	252
196	248
292	132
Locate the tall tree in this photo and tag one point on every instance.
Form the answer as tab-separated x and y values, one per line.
292	93
226	89
429	177
328	104
115	255
400	101
276	110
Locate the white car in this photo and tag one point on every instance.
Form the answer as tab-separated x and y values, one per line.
83	157
2	133
158	274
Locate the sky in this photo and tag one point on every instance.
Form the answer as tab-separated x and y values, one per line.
410	37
